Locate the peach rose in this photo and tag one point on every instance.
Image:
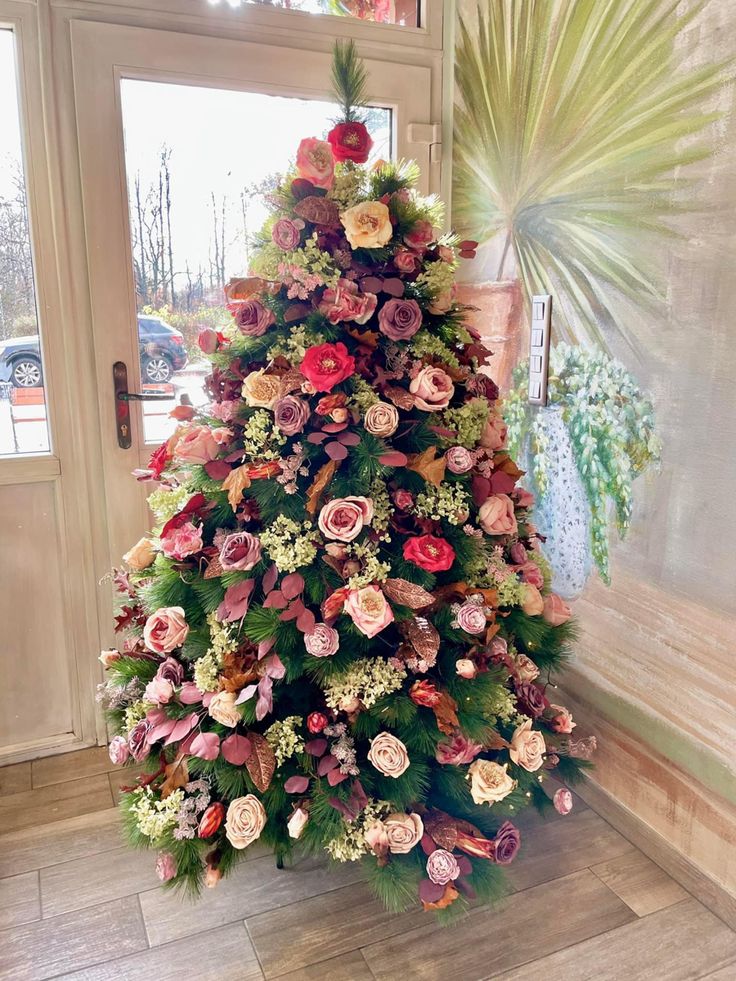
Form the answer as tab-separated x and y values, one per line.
197	445
432	389
369	610
343	518
466	668
496	515
531	600
494	434
562	721
245	821
261	391
165	630
403	832
382	419
140	556
107	658
388	754
223	709
315	162
367	225
527	747
556	610
489	782
525	669
376	837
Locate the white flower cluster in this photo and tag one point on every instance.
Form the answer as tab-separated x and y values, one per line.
372	569
283	738
134	713
350	845
364	396
294	346
207	668
289	544
165	502
366	680
448	501
261	439
383	509
154	816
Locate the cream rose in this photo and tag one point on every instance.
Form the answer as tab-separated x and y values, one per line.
432	389
388	754
496	515
403	832
367	225
343	518
140	556
261	391
525	669
527	747
222	708
245	820
297	822
369	610
489	782
382	419
165	630
531	600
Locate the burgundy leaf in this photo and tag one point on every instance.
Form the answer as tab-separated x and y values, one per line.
481	487
428	845
182	728
348	439
334	777
336	451
264	703
236	749
275	600
430	892
333	427
156	716
291	614
296	785
217	469
316	747
306	622
441	431
371	284
464	864
270	577
206	745
326	764
316	438
292	585
394	287
296	311
234	605
502	483
394	458
160	731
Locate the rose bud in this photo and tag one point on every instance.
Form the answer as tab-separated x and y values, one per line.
466	668
316	721
109	657
212	877
562	801
211	820
207	340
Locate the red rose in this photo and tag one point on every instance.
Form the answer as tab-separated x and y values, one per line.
350	141
429	553
316	721
327	365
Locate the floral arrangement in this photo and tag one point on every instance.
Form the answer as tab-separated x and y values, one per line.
340	632
611	426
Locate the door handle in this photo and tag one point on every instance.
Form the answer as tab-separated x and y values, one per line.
122	399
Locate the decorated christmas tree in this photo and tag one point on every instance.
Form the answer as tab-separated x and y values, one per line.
339	637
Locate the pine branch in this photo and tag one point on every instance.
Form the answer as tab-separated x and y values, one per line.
348	81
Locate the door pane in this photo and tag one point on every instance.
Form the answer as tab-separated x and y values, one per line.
196	184
402	12
23	419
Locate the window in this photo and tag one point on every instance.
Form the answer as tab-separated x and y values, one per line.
402	12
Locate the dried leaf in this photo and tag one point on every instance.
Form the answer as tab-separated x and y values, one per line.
235	483
368	338
494	740
241	288
319	211
399	396
503	462
425	464
336	451
261	764
214	569
291	381
423	637
441	828
322	479
235	676
449	896
407	593
445	711
177	775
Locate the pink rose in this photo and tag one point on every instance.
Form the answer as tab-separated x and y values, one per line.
466	668
343	518
165	866
496	515
159	691
138	740
207	340
459	460
323	641
494	434
165	630
376	837
562	721
290	414
556	611
432	389
315	162
471	618
527	747
563	801
197	445
421	234
170	670
345	303
406	261
442	867
253	319
403	499
182	541
119	750
222	435
224	411
240	552
388	754
286	233
531	600
531	573
399	320
369	610
459	751
403	832
297	822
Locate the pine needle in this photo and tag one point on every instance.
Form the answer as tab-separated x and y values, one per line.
348	81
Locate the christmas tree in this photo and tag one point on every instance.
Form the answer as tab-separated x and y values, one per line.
340	632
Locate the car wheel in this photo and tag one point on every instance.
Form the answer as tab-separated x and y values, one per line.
27	373
156	369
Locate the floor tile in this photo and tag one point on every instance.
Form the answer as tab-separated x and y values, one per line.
70	766
15	778
95	879
76	837
548	917
642	884
345	967
19	899
680	943
54	803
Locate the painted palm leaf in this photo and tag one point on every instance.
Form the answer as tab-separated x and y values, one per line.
572	128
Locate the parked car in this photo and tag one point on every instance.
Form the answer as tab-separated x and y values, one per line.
161	349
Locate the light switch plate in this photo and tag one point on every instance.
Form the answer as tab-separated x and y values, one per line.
539	348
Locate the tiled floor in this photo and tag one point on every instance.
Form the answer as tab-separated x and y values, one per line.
75	904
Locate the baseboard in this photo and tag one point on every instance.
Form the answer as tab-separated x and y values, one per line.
36	748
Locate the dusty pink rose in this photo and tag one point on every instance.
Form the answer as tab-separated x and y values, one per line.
197	445
399	320
240	552
466	668
245	821
432	389
119	750
165	866
369	610
459	460
222	435
556	611
442	867
253	319
170	670
159	691
344	303
507	842
388	754
381	419
527	747
165	630
376	838
517	553
496	515
343	518
420	236
471	618
403	499
286	233
403	832
323	641
290	414
494	434
562	721
182	541
297	822
406	261
315	162
531	573
563	801
531	600
208	340
224	411
138	740
457	752
525	669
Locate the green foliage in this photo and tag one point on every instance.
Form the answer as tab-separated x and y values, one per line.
395	884
348	81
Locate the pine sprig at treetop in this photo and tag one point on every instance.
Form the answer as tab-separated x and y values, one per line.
349	81
339	635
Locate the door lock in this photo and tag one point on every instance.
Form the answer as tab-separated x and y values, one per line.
123	398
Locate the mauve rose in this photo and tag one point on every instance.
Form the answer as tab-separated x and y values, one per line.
563	801
381	419
517	554
388	754
496	515
170	670
562	721
403	499
531	600
556	611
532	700
531	573
224	411
369	610
471	618
420	235
403	832
119	750
442	867
466	668
507	842
290	415
494	434
158	691
207	340
343	518
197	445
457	752
527	747
246	819
286	233
459	460
253	319
165	866
399	320
323	641
165	630
406	261
344	303
182	541
240	552
138	740
432	389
